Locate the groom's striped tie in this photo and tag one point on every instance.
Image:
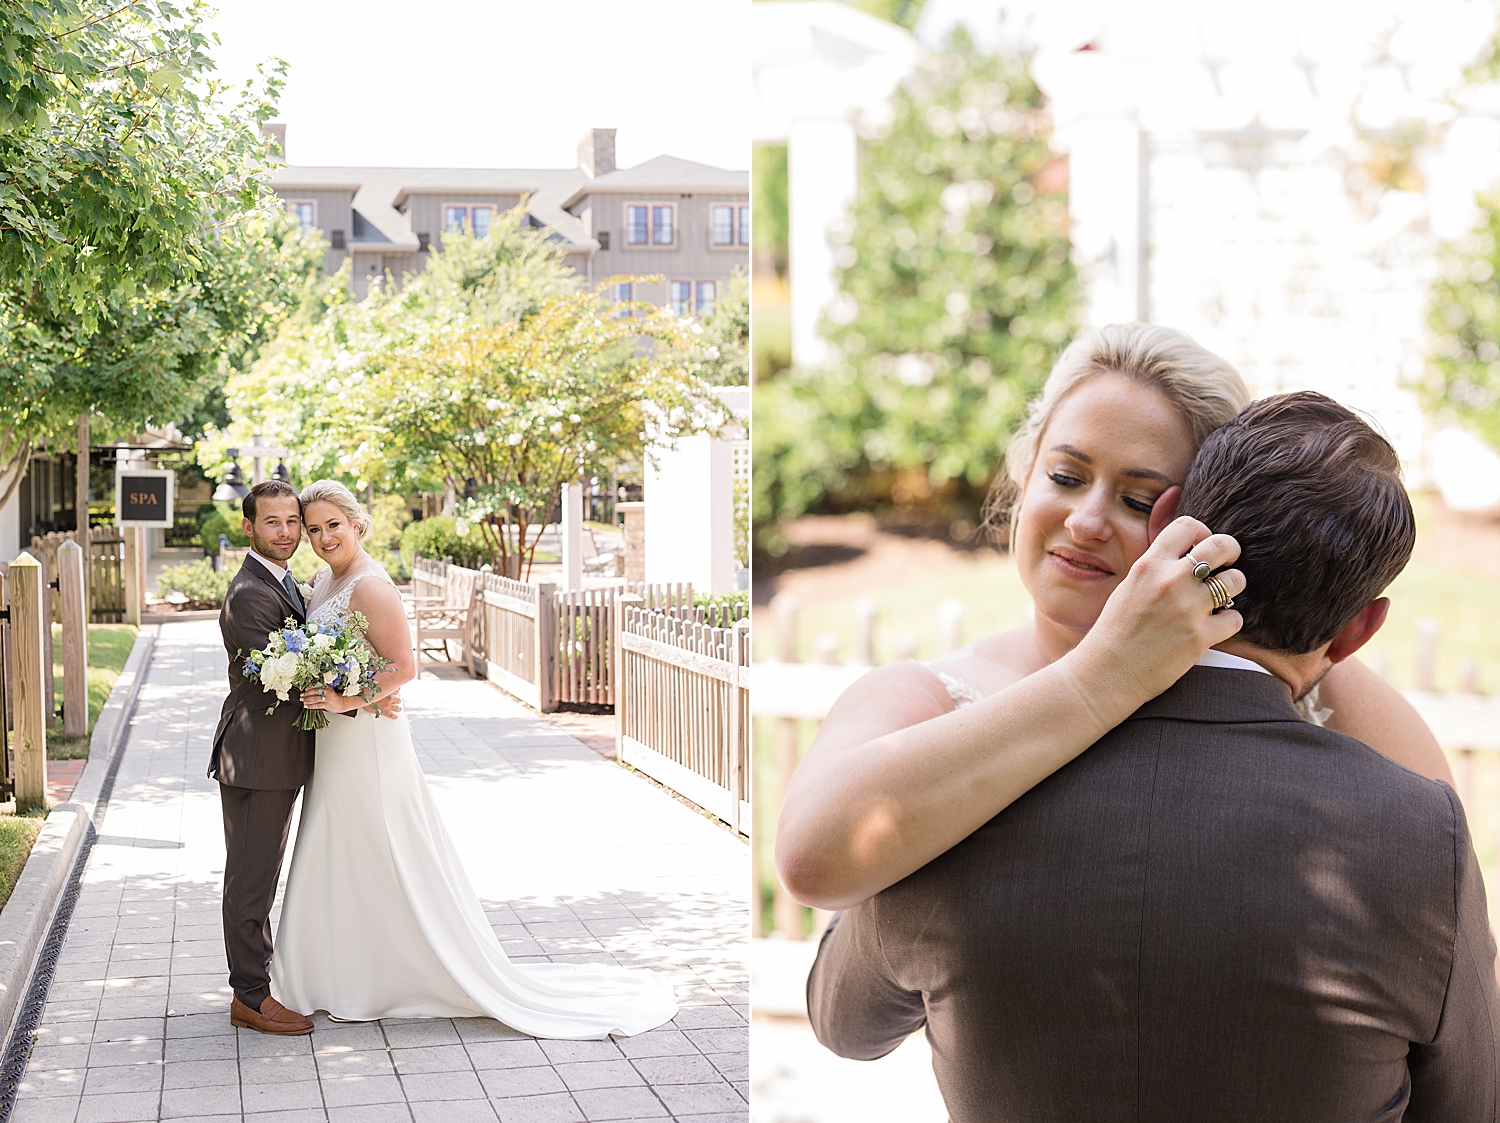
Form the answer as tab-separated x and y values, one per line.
291	590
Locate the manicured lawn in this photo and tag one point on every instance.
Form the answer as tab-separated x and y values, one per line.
17	834
109	647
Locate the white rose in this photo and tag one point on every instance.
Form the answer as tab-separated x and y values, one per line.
353	688
329	676
277	674
323	641
306	591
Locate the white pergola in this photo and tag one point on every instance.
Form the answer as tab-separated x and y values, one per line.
817	66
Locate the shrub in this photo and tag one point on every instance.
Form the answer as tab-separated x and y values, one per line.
436	537
723	608
215	525
196	581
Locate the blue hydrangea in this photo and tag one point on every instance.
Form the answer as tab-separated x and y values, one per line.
295	641
249	671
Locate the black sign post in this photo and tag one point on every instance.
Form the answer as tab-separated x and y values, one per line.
143	497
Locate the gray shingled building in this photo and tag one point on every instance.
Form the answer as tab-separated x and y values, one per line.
686	221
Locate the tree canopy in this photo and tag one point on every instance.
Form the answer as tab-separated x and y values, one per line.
957	294
491	373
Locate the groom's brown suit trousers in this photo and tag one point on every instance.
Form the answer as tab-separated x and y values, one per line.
1218	912
261	761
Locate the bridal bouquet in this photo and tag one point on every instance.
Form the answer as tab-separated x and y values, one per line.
330	654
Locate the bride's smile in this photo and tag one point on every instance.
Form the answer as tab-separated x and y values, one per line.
332	536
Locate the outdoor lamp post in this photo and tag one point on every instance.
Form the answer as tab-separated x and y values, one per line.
233	489
281	473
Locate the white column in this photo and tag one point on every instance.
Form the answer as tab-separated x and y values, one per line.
1107	209
822	175
572	536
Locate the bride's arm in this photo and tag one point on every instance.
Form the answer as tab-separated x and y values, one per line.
896	776
1367	707
388	634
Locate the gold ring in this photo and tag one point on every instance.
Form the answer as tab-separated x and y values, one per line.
1221	596
1201	570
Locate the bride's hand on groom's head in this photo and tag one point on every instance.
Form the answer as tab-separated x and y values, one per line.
1160	619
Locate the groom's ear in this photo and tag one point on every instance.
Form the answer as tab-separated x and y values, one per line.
1163	512
1360	630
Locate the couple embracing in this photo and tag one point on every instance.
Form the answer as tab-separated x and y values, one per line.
1166	853
379	918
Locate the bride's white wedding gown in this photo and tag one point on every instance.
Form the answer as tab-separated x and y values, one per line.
380	921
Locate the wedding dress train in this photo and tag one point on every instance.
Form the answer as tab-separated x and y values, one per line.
380	920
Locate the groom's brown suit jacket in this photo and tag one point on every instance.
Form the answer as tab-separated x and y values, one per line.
1217	913
253	749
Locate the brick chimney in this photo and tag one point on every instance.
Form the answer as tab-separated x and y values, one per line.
596	152
275	132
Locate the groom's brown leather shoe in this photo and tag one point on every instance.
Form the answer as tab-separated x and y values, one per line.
272	1017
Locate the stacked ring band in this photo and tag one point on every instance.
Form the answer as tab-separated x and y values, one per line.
1221	596
1201	570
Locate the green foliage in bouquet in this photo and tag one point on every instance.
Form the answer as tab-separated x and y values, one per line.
957	294
1463	367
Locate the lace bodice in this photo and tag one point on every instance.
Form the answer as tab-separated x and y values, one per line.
330	599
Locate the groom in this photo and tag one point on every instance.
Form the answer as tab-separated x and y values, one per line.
1219	911
261	760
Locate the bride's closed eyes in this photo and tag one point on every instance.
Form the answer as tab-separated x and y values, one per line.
1064	479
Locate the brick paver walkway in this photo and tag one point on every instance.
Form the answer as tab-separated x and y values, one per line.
574	858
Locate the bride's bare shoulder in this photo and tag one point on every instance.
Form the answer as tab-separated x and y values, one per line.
988	664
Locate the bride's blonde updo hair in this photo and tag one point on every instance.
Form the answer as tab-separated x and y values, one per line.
1204	389
331	491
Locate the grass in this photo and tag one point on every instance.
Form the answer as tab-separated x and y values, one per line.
17	835
109	647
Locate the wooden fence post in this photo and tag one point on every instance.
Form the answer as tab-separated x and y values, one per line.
546	647
49	655
81	498
786	913
617	666
27	619
1427	637
73	603
864	631
740	638
135	596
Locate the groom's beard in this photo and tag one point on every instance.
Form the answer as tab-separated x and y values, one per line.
268	549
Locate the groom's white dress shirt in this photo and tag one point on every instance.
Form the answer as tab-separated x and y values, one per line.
278	570
1213	658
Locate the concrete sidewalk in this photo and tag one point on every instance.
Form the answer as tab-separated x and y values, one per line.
574	858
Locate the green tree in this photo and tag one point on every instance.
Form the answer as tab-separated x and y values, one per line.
723	339
957	293
123	171
491	373
1463	366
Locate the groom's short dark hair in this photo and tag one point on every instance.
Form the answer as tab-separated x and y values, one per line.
269	489
1313	494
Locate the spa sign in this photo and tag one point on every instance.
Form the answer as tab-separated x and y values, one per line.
143	497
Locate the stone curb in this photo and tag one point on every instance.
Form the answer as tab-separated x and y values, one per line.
28	914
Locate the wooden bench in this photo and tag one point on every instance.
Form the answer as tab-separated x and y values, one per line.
449	620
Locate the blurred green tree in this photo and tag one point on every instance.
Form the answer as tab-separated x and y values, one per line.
957	294
1463	367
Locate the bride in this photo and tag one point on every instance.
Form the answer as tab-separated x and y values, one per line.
914	757
379	919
